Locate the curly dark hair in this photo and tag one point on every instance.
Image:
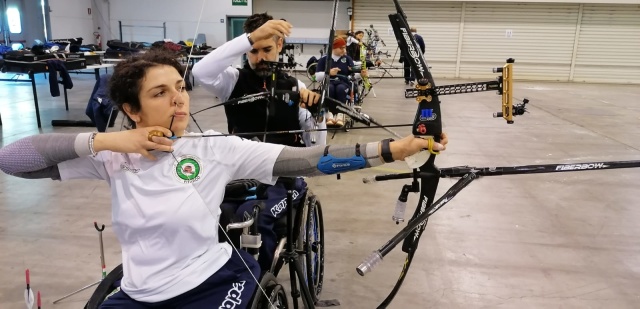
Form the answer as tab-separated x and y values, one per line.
256	21
126	81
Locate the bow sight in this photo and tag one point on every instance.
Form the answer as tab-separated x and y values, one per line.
278	66
503	85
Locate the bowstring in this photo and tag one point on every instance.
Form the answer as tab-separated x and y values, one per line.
188	177
195	35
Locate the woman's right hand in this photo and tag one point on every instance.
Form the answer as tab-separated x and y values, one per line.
134	141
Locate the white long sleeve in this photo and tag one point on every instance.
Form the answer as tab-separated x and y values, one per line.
214	71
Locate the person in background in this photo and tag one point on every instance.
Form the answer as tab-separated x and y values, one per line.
263	41
339	84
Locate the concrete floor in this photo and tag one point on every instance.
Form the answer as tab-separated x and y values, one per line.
566	240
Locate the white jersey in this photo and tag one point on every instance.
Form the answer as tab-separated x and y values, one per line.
165	213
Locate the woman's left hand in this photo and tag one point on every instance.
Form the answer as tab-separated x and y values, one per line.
411	145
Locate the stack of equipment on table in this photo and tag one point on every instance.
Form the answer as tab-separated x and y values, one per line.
4	49
184	49
70	45
119	50
44	51
203	49
25	61
73	45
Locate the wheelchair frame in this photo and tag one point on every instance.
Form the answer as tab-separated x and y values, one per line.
355	100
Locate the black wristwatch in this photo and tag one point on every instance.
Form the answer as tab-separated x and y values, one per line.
385	152
249	38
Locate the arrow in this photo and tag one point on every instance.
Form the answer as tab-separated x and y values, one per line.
28	294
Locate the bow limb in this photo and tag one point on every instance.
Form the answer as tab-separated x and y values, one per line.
363	61
319	111
427	124
195	35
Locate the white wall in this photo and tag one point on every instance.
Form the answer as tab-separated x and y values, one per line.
310	20
181	19
70	19
549	41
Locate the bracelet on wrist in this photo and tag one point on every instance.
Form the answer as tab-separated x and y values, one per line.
249	39
385	151
91	140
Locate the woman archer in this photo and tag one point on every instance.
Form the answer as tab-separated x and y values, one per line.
166	190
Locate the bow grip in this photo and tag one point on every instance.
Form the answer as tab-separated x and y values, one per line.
428	117
318	110
315	108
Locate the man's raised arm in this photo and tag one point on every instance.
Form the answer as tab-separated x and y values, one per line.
214	71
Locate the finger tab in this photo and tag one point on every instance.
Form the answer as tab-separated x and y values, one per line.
154	133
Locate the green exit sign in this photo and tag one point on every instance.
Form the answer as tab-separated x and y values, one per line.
239	2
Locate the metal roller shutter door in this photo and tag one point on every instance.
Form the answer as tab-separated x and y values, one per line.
437	22
541	42
608	44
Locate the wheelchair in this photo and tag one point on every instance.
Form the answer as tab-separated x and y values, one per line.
357	90
308	232
355	98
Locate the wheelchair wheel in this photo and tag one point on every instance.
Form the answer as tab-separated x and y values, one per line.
107	287
311	71
309	235
314	247
275	292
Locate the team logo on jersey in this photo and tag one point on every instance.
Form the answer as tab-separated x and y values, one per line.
188	169
344	60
